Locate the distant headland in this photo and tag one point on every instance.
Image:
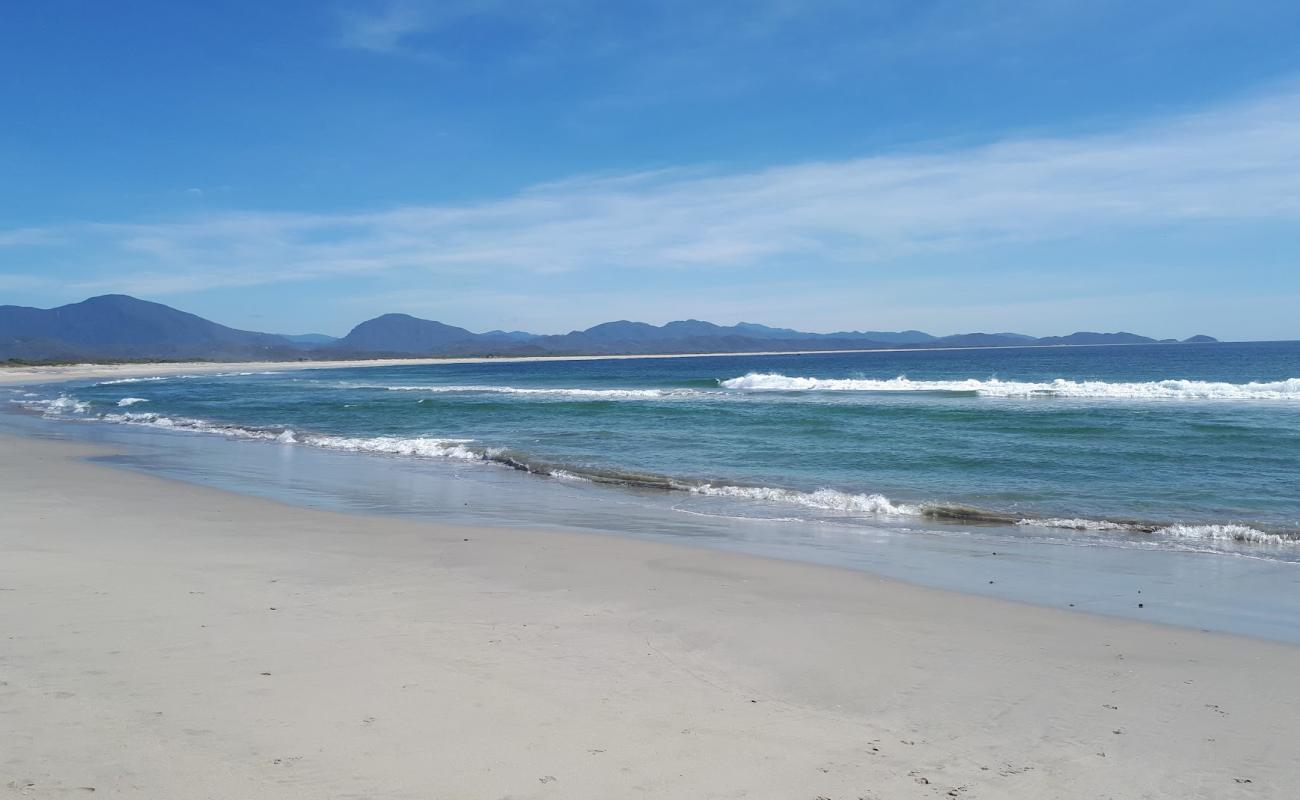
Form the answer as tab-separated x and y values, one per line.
122	328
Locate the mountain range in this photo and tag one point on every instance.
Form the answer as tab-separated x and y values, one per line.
123	328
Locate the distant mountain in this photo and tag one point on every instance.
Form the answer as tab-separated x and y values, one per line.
1088	337
403	333
310	338
512	336
758	331
892	337
117	327
984	340
1200	338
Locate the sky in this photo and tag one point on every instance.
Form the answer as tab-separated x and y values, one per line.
947	165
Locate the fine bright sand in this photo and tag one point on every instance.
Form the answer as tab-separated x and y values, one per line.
163	640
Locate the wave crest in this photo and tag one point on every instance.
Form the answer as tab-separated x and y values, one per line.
824	499
56	407
589	394
1237	534
1212	536
1286	390
425	447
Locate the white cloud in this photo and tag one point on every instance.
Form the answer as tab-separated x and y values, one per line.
383	30
1238	162
21	237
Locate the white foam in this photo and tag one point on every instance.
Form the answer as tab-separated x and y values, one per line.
1286	390
565	475
392	445
1240	534
821	499
143	379
130	401
1231	534
152	378
60	406
593	394
825	499
152	420
1076	524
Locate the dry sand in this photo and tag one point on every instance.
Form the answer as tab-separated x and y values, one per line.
163	640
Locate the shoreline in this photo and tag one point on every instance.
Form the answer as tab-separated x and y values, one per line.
27	375
1194	589
416	658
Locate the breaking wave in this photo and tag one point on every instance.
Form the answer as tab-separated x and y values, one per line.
63	404
130	401
1237	534
425	447
825	499
59	406
152	420
849	504
1079	524
585	394
119	381
152	378
1287	390
1209	534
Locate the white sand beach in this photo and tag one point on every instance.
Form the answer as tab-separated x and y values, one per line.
168	640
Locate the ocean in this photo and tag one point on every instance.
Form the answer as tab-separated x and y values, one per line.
1130	453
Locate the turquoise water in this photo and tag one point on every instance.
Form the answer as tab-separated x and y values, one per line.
1179	447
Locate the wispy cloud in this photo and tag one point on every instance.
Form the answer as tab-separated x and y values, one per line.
1237	162
383	28
674	37
404	27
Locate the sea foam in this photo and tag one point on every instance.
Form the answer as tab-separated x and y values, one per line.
1238	534
824	499
584	394
421	446
426	447
1285	390
56	407
1077	524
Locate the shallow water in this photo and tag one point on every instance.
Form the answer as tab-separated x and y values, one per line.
1187	446
1091	472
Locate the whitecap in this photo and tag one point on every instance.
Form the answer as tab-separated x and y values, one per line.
60	406
393	445
1285	390
578	393
1239	534
1076	524
824	499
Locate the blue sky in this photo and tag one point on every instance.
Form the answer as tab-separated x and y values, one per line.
951	166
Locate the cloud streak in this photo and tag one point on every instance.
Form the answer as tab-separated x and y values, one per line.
1233	163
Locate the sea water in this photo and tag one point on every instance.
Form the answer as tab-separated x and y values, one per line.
1127	452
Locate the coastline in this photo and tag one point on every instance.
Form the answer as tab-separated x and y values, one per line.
23	375
415	658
